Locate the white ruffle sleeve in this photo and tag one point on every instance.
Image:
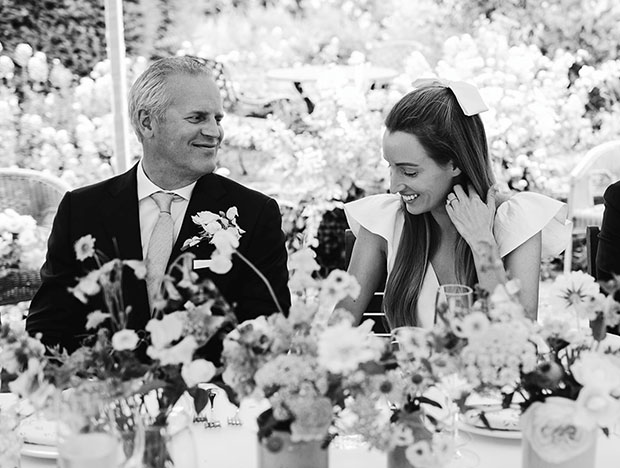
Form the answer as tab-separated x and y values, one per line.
524	215
381	215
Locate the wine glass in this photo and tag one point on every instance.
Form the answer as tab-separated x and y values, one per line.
97	431
456	300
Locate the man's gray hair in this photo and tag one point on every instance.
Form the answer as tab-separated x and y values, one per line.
149	91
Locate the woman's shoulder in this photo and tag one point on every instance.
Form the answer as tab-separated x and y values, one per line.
612	195
525	214
379	214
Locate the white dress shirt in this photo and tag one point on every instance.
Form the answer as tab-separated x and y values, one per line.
149	212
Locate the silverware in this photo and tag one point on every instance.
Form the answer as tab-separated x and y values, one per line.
234	421
212	422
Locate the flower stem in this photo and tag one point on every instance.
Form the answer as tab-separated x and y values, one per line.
262	277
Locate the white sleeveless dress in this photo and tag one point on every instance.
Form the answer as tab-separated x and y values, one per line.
516	220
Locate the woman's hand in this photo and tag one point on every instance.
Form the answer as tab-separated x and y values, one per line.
472	218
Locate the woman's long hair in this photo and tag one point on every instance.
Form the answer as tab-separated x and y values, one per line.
433	115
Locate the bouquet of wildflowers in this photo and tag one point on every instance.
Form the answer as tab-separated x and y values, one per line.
300	362
167	361
394	403
575	386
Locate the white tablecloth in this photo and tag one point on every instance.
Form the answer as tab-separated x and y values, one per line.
235	447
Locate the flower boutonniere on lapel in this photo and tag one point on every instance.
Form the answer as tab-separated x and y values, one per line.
222	231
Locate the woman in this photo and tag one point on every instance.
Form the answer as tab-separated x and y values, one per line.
608	253
440	225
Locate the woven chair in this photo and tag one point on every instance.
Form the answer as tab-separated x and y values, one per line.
285	107
599	167
31	193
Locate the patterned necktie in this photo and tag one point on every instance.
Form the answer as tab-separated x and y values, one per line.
160	244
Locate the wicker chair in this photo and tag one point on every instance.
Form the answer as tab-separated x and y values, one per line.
599	167
31	193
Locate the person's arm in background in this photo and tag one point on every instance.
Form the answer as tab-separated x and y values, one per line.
608	253
54	311
368	263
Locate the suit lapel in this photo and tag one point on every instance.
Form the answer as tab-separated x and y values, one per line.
207	196
121	216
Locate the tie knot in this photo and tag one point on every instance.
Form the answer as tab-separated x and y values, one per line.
163	200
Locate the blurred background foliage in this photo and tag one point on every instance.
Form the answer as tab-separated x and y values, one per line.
550	72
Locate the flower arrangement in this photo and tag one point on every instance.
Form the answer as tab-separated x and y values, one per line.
166	361
300	362
575	387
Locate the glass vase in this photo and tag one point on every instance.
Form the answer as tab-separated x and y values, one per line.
278	451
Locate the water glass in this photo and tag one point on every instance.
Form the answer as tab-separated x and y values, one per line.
456	300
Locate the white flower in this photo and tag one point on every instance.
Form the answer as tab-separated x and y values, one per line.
602	369
472	325
165	330
125	340
204	217
599	405
342	348
232	213
303	260
198	371
179	354
138	267
96	318
419	454
212	227
22	54
226	241
575	292
85	247
338	285
87	286
557	429
219	264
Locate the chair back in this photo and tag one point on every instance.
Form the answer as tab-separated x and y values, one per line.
599	168
591	248
374	310
33	193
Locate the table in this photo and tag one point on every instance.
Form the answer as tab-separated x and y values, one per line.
336	73
234	447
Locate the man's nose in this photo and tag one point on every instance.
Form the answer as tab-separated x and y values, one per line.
211	129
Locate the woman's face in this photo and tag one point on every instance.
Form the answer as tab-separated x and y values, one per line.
422	184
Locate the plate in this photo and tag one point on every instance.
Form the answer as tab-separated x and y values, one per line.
38	431
39	451
495	433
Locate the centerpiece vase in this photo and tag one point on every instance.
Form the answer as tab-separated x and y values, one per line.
279	451
531	458
396	458
553	437
167	446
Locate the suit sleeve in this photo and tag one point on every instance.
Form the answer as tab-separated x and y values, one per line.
54	311
608	253
268	254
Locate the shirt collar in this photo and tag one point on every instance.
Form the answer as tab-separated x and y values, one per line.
146	187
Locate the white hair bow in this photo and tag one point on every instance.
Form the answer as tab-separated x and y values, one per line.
466	94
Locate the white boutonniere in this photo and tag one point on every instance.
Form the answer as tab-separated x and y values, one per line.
223	232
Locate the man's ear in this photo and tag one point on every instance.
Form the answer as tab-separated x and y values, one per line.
146	122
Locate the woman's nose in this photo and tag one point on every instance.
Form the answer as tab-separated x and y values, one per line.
396	183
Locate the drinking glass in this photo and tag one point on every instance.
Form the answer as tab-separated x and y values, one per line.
96	431
456	300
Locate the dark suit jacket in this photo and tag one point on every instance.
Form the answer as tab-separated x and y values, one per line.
608	253
109	212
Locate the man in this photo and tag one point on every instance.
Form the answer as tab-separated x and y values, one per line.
176	110
608	253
